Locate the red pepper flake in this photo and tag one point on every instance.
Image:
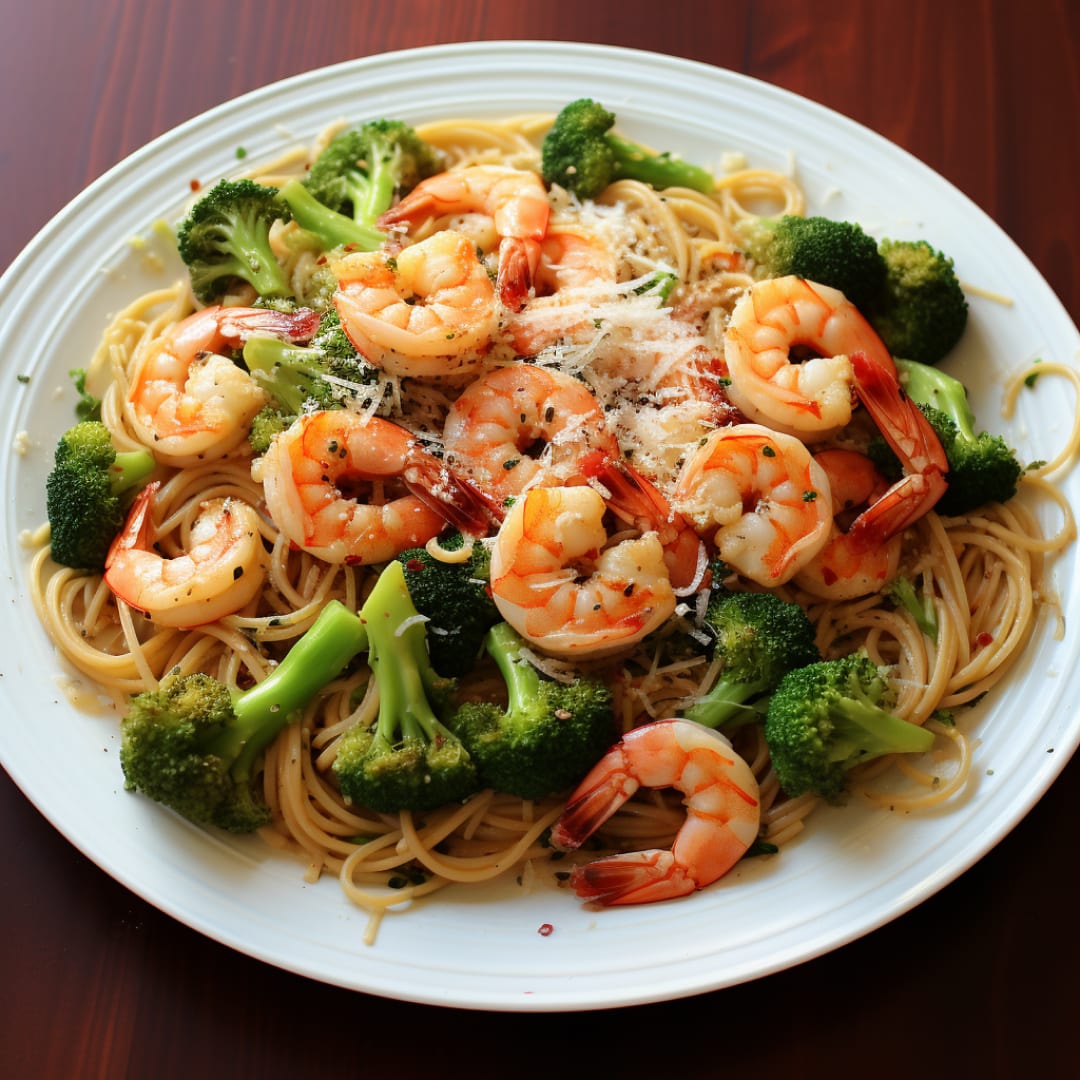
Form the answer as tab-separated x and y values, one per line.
984	639
195	184
546	929
414	565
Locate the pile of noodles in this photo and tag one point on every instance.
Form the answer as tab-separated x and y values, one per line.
984	571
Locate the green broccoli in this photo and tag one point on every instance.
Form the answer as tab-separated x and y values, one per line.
195	746
408	760
88	407
921	312
324	374
581	154
363	168
550	734
456	600
834	253
88	493
759	638
920	607
226	237
826	718
982	468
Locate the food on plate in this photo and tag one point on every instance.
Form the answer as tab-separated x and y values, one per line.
487	488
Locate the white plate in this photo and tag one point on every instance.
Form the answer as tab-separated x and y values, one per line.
851	872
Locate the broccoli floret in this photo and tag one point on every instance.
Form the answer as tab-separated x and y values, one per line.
88	493
982	468
363	168
226	236
195	746
830	716
581	153
408	760
921	312
267	424
759	638
324	374
834	253
456	599
550	734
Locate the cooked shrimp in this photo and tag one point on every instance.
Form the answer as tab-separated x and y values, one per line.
428	311
344	488
641	504
576	269
189	403
723	813
522	425
515	201
912	439
762	496
557	582
812	399
851	564
222	570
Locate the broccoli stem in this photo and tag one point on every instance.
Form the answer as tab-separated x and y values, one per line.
130	469
262	272
874	731
332	228
398	657
659	170
522	679
931	386
316	659
725	704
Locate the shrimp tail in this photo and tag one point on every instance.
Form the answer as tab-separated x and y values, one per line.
457	500
637	877
138	531
517	265
915	443
597	800
638	502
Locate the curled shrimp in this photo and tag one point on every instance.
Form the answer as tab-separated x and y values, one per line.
812	399
356	490
762	496
523	425
557	581
427	311
723	813
514	200
222	570
851	564
190	403
577	267
635	500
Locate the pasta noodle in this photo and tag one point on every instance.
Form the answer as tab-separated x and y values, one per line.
985	570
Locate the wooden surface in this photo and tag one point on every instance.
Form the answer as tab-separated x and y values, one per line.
980	979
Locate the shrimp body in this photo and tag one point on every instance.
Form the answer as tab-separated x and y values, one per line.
576	270
851	564
334	485
557	582
521	426
514	200
428	312
723	813
765	500
812	399
189	403
222	570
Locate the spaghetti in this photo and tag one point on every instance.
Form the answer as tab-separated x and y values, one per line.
653	370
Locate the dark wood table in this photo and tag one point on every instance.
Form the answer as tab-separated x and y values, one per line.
981	979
